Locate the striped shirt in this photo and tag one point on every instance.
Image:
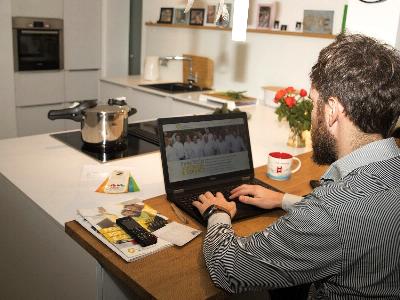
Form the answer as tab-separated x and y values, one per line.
344	236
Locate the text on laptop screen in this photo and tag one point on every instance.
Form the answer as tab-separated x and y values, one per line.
205	148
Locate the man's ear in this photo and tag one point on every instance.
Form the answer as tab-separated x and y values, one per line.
335	109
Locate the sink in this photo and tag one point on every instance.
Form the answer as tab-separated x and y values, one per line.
174	87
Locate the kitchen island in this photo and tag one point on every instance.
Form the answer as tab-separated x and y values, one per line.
39	180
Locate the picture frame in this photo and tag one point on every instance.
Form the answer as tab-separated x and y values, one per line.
318	21
266	15
211	14
166	15
196	16
180	17
276	25
283	27
225	23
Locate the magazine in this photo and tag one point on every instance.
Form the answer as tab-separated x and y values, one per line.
101	222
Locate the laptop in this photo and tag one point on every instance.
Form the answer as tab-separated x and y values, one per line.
207	153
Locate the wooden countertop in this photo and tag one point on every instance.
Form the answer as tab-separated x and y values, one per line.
180	273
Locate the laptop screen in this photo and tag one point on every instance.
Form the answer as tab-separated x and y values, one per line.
196	148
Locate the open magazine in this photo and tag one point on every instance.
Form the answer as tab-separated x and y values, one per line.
100	221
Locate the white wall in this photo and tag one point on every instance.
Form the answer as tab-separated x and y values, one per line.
263	60
7	94
379	20
115	38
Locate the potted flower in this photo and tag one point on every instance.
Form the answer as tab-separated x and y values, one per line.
296	108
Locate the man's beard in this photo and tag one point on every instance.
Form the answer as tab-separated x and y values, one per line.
323	143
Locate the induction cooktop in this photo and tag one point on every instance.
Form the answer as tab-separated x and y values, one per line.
142	138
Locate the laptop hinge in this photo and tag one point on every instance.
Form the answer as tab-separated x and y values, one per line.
180	191
244	178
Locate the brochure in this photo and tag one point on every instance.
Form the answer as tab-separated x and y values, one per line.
100	222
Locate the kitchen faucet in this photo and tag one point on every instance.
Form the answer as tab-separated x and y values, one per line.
191	78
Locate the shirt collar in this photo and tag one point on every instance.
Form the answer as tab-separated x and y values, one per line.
370	153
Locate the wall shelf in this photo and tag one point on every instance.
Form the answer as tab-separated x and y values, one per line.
253	30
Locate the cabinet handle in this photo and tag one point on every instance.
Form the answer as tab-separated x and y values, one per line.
81	70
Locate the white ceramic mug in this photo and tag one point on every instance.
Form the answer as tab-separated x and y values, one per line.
151	68
279	165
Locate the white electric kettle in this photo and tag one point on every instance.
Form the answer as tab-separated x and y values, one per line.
151	68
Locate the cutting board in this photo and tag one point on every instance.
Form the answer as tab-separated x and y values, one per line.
203	67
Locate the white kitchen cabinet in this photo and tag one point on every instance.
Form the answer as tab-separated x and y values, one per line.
33	120
7	94
82	34
149	106
109	90
38	8
180	108
39	87
81	85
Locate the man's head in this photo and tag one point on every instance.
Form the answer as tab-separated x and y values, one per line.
358	79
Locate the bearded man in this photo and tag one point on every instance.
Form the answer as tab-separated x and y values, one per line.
345	235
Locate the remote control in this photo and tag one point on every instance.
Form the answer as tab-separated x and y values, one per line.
136	231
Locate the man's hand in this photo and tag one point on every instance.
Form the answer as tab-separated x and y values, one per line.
208	199
261	197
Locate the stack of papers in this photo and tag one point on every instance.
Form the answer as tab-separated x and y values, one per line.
100	222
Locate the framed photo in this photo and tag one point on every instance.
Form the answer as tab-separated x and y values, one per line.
221	22
196	16
211	14
180	17
166	15
318	21
283	27
276	25
266	15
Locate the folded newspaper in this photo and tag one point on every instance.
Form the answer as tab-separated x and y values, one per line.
100	222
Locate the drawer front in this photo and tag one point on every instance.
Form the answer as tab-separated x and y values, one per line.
37	88
33	120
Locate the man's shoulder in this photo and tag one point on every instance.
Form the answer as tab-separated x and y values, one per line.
363	182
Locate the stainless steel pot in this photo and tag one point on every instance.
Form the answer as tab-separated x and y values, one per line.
101	125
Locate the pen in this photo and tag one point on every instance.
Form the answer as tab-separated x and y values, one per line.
179	213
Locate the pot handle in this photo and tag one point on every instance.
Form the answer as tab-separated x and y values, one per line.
132	111
117	101
121	102
73	113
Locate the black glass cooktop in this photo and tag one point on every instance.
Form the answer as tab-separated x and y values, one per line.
142	138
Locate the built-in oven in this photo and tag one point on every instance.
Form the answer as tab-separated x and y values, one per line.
38	43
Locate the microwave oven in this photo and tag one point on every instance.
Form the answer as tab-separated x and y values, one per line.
38	44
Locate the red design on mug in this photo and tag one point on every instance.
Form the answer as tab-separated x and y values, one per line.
278	169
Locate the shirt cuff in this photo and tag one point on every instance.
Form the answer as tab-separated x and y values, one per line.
219	218
289	200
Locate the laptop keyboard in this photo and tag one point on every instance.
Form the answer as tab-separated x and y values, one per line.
244	210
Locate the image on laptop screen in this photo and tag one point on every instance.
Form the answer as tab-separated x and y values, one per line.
205	148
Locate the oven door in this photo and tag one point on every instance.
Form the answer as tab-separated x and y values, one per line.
38	50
